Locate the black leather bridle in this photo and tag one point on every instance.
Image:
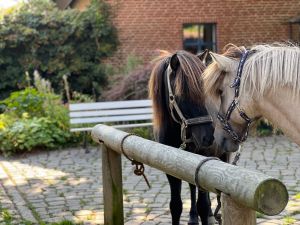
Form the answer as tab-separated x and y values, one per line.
235	105
184	122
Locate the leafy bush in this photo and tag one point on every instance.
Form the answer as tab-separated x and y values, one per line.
6	121
34	118
26	101
30	133
24	131
39	36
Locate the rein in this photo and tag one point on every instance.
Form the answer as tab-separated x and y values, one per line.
184	123
235	105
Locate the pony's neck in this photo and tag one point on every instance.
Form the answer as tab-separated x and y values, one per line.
283	111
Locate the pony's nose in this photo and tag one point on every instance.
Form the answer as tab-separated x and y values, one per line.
208	140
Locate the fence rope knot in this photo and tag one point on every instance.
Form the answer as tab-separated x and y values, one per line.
139	167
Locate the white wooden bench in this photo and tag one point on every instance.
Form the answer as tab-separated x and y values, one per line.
119	114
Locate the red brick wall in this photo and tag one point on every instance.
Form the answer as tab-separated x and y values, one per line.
146	25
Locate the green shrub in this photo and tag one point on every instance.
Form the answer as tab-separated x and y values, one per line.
39	36
26	101
6	121
29	133
34	118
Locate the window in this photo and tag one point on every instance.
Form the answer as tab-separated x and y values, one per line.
199	36
295	29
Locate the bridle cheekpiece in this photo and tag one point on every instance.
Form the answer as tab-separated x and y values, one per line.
235	105
184	122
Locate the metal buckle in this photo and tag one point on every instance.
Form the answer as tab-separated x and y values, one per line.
172	98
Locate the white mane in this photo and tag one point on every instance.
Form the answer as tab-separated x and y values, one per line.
271	67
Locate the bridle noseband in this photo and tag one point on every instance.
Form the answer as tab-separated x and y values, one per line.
184	122
235	104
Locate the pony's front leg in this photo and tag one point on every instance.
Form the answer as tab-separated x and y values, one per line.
193	211
175	203
204	208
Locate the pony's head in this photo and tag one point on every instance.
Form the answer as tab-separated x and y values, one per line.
241	83
226	104
176	90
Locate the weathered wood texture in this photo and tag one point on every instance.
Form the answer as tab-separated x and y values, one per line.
112	187
234	213
249	188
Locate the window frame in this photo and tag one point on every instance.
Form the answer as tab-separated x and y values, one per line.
200	43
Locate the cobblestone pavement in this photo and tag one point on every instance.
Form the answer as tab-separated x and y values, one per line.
66	184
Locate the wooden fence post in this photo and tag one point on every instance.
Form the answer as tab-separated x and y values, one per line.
234	213
112	187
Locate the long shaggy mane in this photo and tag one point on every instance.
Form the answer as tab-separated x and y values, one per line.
272	67
267	68
188	83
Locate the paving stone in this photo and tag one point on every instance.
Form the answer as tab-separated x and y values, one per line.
68	184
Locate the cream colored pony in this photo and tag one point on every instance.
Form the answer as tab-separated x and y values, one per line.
269	88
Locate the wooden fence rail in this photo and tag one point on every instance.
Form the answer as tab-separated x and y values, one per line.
247	190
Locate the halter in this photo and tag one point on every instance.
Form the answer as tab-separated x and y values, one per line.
184	123
235	104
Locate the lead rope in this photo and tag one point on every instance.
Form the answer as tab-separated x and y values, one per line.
237	156
139	167
217	215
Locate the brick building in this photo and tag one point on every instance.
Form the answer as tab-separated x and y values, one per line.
146	25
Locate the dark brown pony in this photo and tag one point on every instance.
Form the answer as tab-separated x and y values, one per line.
184	70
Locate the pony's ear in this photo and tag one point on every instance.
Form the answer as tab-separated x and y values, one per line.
174	62
202	56
224	63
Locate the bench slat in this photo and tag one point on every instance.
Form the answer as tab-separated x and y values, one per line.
121	126
114	112
110	105
110	119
